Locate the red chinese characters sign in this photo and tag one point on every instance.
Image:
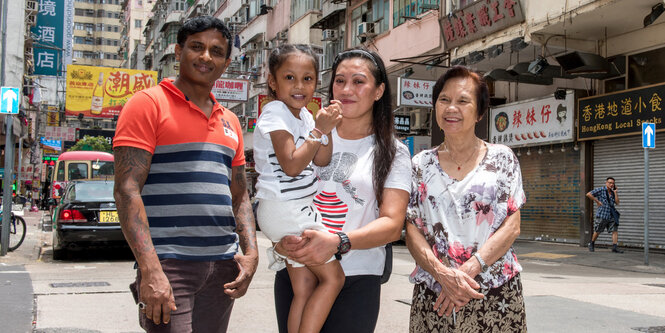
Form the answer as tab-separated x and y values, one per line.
480	19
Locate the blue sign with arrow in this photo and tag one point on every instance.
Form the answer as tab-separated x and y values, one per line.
10	98
648	135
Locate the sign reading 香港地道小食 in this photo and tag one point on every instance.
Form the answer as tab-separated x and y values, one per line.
620	113
533	122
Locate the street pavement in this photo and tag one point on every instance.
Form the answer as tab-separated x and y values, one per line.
567	289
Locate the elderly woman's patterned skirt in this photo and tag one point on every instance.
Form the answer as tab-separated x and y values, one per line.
502	310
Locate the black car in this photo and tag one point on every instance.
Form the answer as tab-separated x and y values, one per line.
86	217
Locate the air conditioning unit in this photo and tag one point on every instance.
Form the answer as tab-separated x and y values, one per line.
419	119
365	29
236	19
251	47
268	45
31	6
31	19
283	35
89	33
227	20
329	34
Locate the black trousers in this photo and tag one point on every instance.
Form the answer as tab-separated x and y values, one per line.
356	308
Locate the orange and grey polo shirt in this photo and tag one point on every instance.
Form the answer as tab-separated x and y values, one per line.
187	194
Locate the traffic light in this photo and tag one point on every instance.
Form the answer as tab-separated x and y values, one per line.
49	160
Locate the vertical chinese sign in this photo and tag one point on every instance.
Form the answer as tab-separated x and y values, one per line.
50	34
479	19
102	91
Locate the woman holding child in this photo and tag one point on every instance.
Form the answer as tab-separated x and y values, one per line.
362	197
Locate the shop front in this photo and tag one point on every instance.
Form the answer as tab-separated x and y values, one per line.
540	131
612	123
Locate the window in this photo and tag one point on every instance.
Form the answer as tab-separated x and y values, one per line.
172	34
358	15
137	23
646	68
300	7
380	15
411	8
115	28
79	26
77	171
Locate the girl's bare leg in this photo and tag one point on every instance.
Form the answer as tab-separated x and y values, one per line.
331	280
303	282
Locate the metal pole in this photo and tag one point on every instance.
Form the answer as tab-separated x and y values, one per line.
9	146
646	206
7	185
18	170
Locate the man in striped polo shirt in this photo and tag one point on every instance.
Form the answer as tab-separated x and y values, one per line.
181	191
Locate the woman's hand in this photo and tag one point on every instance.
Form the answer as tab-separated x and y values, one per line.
311	248
457	289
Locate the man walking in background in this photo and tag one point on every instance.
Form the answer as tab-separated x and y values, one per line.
607	216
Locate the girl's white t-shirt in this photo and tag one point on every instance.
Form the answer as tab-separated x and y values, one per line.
273	183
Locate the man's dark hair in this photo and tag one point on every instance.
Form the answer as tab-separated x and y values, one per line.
608	178
203	23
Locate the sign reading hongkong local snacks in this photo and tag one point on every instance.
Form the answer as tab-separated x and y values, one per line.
620	113
313	106
479	19
414	92
102	91
229	90
533	122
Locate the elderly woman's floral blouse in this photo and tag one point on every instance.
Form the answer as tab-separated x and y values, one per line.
458	216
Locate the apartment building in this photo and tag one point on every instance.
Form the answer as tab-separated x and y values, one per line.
97	32
134	16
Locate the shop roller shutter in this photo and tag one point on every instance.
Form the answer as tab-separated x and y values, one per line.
552	185
623	159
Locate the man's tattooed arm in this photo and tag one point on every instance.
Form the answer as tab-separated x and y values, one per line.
242	209
131	170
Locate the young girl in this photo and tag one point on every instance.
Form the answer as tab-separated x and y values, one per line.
289	140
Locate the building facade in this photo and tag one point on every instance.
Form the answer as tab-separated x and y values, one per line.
97	32
134	16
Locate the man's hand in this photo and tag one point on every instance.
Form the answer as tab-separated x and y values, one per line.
247	266
155	291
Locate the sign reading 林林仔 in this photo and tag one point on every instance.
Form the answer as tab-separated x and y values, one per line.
620	113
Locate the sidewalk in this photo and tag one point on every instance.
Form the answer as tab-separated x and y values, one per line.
632	260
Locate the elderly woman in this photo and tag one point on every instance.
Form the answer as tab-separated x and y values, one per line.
462	220
362	198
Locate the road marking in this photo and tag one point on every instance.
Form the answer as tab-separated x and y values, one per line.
545	255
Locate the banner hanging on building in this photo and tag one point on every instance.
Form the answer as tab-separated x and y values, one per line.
533	122
621	113
414	92
51	144
60	133
229	90
102	91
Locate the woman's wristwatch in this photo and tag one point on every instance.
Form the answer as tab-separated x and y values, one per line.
344	245
483	266
323	139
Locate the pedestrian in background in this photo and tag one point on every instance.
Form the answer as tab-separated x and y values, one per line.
362	196
462	220
181	191
607	216
287	143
